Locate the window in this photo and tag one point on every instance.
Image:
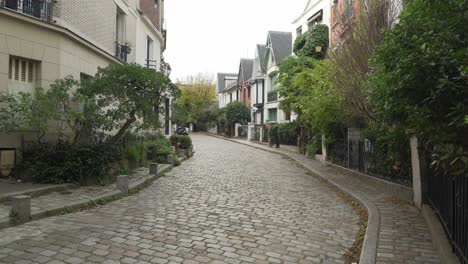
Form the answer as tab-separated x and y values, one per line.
274	79
22	70
317	18
149	53
273	115
299	31
349	9
120	27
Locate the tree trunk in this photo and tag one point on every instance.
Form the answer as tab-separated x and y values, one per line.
124	128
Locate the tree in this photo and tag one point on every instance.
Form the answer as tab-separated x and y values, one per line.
350	59
197	101
59	106
421	80
129	95
235	112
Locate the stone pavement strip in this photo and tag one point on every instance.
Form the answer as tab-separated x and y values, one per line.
42	205
228	204
403	234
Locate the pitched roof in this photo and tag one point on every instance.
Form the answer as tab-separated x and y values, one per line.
245	69
280	43
222	77
261	49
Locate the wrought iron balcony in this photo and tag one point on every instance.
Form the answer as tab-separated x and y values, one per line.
152	64
272	96
122	51
41	9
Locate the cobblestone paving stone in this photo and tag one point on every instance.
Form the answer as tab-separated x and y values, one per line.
68	196
404	236
228	204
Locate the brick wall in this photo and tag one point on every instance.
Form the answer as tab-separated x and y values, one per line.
152	11
95	20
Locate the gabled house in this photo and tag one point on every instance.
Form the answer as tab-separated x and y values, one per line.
226	88
243	82
258	85
315	12
278	47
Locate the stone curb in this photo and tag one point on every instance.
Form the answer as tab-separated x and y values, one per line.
109	196
439	238
36	191
369	246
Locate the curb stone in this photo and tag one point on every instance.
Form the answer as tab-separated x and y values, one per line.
369	245
108	197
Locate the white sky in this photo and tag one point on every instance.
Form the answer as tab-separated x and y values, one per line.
210	36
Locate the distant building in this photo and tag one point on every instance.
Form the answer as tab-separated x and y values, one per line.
315	12
258	85
244	81
226	88
278	47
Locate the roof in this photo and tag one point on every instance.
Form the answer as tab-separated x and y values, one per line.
246	69
230	86
261	49
280	43
222	77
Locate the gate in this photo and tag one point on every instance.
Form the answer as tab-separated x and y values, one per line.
449	198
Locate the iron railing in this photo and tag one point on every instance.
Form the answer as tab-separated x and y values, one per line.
122	51
362	155
41	9
448	196
272	96
152	64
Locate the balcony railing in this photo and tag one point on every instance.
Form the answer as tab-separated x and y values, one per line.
41	9
152	64
272	96
122	51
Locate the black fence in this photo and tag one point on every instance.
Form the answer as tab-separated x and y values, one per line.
362	156
41	9
449	197
243	131
257	132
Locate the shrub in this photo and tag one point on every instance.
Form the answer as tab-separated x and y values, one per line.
274	135
184	142
68	163
421	78
159	148
288	133
136	152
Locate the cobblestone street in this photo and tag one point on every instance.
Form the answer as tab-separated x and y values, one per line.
228	204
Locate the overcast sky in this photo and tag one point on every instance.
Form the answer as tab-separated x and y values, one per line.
209	36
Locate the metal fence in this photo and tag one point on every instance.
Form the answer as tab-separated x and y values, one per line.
243	131
257	132
449	197
361	155
41	9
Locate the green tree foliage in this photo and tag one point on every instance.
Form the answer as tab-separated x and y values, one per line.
129	95
60	108
321	104
307	43
421	79
237	112
197	103
288	70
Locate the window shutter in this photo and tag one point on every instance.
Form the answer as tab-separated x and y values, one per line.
10	69
23	71
16	69
30	72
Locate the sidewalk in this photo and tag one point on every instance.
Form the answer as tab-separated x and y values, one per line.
397	231
66	199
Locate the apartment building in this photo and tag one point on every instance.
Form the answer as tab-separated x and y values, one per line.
42	41
315	12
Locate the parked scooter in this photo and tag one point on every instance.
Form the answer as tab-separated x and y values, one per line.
182	131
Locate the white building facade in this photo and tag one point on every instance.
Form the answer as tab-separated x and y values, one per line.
315	12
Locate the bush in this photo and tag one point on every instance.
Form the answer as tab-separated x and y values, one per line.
288	133
136	152
317	36
274	135
159	148
421	77
67	163
184	142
